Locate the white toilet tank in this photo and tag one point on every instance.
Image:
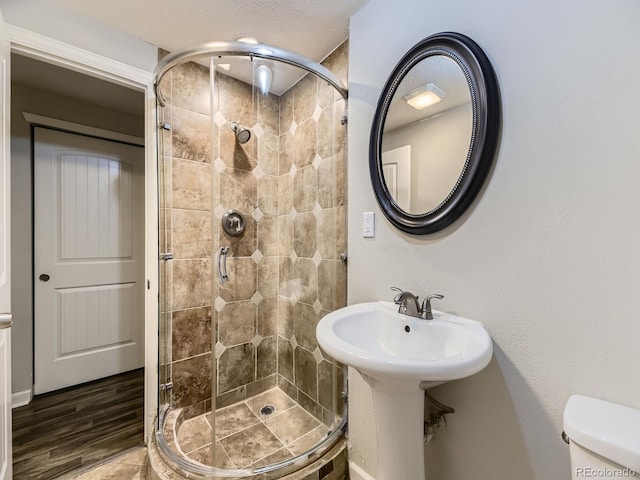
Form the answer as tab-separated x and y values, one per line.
604	439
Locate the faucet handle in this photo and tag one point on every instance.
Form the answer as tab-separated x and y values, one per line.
426	305
396	299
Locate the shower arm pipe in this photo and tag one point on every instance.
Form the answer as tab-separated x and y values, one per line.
241	49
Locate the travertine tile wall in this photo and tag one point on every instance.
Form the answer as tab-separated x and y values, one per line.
285	273
186	231
245	179
312	233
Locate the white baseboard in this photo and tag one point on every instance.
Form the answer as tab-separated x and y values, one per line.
357	473
20	399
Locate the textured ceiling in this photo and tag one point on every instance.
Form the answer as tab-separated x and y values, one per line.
312	28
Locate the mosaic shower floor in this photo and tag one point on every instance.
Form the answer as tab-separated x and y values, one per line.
248	435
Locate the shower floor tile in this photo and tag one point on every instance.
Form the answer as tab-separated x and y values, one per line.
309	440
246	437
194	434
234	418
274	397
203	455
250	445
291	424
278	456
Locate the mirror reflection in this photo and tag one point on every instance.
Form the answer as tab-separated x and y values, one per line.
427	134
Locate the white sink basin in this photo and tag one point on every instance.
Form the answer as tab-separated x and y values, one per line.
382	343
398	355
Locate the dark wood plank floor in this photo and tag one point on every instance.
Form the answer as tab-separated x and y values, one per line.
78	426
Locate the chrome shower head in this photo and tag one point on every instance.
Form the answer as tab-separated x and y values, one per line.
243	135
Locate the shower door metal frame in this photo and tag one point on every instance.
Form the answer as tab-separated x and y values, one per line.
242	49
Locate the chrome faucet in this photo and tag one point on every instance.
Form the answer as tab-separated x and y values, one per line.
408	304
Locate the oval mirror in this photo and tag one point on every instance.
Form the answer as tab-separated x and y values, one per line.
434	133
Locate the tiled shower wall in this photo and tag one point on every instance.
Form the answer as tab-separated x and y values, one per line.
285	272
245	179
186	231
312	229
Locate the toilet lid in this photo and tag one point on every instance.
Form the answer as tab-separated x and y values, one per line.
608	429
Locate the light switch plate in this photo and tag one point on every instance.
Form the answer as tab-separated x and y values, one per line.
368	225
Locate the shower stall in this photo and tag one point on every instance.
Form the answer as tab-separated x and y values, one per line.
252	162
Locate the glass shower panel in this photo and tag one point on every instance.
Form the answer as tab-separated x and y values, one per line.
164	197
274	162
234	190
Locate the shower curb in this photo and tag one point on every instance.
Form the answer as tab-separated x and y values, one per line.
332	465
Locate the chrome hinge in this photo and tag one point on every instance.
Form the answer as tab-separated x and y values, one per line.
165	387
165	126
166	256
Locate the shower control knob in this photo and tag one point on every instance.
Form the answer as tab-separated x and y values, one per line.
233	223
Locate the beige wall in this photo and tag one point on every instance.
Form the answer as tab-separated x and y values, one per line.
31	100
549	255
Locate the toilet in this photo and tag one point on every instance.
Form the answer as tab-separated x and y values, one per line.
603	437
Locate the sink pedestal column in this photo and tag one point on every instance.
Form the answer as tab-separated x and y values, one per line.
399	411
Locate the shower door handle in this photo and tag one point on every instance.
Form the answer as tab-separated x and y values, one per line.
222	264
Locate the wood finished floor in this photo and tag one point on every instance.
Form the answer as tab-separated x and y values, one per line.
78	426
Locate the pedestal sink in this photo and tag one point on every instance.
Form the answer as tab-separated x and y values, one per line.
398	356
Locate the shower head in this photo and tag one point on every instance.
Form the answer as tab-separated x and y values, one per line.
242	134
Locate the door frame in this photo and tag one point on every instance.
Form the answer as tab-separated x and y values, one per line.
71	57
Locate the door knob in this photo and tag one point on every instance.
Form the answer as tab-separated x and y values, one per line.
44	277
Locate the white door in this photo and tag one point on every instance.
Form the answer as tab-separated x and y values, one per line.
5	257
89	263
396	169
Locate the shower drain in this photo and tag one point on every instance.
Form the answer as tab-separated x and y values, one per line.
267	410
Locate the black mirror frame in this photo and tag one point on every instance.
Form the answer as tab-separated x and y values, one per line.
485	99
